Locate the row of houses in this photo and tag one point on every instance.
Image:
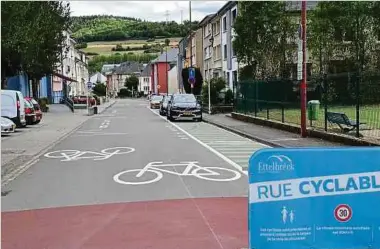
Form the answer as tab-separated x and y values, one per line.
158	76
69	78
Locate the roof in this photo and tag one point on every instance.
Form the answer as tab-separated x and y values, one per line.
206	19
147	70
229	5
109	67
172	56
129	67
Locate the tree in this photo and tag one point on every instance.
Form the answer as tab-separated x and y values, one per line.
352	22
37	40
132	83
100	89
260	30
167	42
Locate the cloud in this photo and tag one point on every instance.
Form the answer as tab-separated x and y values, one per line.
148	10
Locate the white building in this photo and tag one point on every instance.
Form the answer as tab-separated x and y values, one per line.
145	79
71	72
228	15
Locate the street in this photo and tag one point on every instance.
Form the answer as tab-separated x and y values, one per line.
127	178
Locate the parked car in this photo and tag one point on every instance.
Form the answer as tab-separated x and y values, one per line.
13	107
7	126
37	109
184	106
164	104
155	101
30	115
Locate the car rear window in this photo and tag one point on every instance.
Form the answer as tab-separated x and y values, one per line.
34	102
28	104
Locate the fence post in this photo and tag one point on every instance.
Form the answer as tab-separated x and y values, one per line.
358	79
325	97
256	95
282	113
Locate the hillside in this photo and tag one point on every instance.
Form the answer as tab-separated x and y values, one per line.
116	28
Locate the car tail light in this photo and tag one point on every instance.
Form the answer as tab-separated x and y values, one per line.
28	110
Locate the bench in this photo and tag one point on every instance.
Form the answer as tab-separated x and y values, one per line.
341	120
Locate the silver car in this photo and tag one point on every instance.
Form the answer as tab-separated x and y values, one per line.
7	126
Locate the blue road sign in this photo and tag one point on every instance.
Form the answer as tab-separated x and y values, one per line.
191	73
89	85
314	198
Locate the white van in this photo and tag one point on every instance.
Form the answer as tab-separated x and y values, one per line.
13	106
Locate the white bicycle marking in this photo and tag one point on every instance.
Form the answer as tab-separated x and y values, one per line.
74	155
190	169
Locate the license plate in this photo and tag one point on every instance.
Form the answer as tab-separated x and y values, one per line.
187	113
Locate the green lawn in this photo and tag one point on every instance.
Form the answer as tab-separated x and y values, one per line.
368	114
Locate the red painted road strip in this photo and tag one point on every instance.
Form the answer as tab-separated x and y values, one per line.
203	223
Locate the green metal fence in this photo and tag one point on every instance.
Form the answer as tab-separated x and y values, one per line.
346	100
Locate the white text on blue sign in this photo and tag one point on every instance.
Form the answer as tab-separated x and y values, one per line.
314	187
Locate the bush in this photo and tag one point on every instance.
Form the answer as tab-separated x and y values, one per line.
91	53
229	97
124	93
43	102
217	85
81	45
100	89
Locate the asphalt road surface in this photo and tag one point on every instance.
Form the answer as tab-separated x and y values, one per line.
129	179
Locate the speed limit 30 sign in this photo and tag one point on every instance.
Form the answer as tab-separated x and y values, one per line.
343	213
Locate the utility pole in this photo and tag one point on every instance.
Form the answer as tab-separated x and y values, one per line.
191	40
167	16
167	76
181	17
304	71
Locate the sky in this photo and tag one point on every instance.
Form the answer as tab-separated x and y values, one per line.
148	10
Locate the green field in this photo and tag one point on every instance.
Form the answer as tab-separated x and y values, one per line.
105	47
368	114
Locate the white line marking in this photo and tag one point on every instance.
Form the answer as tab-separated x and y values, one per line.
98	133
232	163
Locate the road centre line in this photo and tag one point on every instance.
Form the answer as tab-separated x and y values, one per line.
232	163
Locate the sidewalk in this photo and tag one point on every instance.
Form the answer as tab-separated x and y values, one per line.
263	134
26	144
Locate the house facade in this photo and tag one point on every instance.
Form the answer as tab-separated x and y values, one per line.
160	71
145	79
228	14
206	27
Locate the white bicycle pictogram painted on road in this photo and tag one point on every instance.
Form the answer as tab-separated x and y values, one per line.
74	155
156	170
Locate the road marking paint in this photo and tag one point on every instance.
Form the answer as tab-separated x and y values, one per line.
74	155
189	169
232	163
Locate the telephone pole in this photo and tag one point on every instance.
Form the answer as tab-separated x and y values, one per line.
181	16
167	16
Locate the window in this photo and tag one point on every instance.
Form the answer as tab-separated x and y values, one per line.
225	52
228	78
233	16
204	31
233	52
205	53
224	23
